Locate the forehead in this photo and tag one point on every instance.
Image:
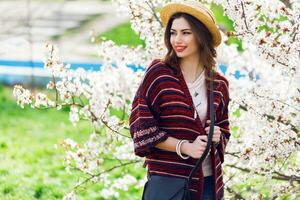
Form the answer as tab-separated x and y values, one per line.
180	23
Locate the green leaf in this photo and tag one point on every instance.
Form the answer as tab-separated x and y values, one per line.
237	113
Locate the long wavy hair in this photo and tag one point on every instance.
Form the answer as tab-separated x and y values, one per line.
204	38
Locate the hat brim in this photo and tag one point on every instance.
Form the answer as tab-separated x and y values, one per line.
202	15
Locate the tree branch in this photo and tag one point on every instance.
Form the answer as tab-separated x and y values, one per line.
236	195
105	171
279	176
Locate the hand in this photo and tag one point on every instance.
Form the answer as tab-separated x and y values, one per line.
217	133
195	149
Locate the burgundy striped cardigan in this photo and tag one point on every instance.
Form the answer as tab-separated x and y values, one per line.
163	107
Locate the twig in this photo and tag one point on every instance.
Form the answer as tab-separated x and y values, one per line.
279	176
246	107
244	15
105	171
295	31
236	195
269	98
152	7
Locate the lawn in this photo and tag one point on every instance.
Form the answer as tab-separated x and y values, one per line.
123	35
30	167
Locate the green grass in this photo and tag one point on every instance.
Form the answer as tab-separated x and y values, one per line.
122	35
77	29
30	166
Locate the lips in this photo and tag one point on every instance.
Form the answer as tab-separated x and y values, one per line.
180	48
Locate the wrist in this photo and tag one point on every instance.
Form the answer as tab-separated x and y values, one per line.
185	148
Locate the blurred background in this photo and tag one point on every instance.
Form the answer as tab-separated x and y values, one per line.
31	167
26	25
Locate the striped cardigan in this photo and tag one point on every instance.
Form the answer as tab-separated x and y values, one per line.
163	107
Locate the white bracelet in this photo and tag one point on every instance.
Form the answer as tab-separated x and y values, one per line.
178	147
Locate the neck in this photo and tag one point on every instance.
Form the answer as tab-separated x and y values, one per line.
191	68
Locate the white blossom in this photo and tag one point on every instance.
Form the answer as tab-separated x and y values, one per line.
108	193
70	196
264	110
74	116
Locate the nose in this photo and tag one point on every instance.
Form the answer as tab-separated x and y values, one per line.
178	39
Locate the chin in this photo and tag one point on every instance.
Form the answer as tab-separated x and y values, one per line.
186	54
180	55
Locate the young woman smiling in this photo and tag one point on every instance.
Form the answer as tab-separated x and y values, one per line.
170	111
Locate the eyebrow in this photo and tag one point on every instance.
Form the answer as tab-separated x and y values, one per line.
187	29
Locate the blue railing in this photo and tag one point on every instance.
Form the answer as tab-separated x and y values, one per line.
33	72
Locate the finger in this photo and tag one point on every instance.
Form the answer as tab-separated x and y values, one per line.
207	129
216	139
218	133
215	128
202	142
202	139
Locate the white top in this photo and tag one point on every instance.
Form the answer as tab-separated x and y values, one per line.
199	95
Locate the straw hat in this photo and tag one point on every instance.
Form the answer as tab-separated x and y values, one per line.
197	10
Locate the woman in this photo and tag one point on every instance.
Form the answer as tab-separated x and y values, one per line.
169	117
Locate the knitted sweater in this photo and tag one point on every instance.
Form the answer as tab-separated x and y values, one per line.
163	107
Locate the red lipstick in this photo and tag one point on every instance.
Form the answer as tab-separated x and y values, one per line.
180	48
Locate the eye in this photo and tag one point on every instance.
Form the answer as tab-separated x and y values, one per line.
172	33
186	33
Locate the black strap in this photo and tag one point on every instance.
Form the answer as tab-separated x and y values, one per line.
210	135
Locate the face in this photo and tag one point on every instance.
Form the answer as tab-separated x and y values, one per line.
183	39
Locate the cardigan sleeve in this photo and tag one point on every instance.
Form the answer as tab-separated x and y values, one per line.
144	127
223	123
